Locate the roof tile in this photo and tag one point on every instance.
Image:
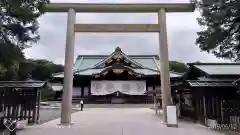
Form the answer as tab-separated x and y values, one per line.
220	69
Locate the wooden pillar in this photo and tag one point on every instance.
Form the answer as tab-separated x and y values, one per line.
204	107
146	97
214	106
194	104
82	91
180	102
217	102
147	86
89	90
34	119
197	96
38	106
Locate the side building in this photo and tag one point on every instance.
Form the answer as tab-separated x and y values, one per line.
210	93
115	78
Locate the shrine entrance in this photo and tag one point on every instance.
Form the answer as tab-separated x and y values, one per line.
160	28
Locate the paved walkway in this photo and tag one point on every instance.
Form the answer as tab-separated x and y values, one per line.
117	121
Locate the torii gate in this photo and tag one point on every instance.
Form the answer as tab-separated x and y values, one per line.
72	8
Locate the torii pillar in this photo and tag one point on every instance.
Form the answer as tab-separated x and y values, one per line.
66	109
161	9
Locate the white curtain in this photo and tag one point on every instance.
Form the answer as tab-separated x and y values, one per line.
126	87
102	87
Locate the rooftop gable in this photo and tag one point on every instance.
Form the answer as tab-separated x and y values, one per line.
118	54
96	61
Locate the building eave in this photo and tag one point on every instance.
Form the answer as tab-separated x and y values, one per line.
118	52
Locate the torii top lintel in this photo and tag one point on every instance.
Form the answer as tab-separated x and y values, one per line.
120	8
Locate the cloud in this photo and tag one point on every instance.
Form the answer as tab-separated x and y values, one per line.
182	28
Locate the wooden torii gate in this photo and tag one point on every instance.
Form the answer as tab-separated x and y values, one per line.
72	8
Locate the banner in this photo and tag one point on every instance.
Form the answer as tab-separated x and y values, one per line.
125	87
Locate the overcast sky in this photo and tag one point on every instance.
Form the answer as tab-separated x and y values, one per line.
181	28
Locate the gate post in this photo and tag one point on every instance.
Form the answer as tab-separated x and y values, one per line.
164	66
68	70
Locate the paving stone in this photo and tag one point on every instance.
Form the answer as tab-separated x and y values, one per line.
117	121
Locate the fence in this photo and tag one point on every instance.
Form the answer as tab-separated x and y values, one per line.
186	106
19	104
231	114
20	100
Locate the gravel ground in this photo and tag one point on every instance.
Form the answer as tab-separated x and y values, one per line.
118	121
58	104
46	115
50	114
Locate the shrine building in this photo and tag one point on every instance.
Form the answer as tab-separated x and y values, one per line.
115	78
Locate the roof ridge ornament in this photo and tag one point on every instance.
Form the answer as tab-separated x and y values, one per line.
118	54
118	49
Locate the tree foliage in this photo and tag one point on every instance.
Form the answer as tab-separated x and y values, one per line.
178	67
30	69
10	56
2	71
38	69
18	29
44	69
221	28
18	21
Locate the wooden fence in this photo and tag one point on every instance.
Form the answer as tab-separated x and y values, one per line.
20	100
231	114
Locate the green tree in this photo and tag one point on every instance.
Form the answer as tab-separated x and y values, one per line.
2	71
38	69
10	57
25	69
18	21
178	67
221	28
42	70
18	30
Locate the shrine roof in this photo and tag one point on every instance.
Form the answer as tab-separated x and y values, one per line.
144	64
91	61
97	61
141	71
22	84
219	83
90	71
218	68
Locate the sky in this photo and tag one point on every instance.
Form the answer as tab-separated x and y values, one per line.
182	31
